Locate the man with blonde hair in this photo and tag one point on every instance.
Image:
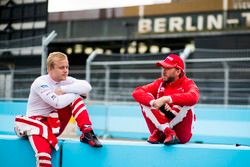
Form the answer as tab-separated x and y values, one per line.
53	99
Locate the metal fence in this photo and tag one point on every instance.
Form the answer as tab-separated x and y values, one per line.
223	76
15	83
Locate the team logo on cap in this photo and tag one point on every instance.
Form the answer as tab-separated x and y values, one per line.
170	58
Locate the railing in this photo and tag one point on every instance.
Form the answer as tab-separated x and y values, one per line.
221	79
15	83
35	45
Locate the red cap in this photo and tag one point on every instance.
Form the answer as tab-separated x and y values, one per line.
172	61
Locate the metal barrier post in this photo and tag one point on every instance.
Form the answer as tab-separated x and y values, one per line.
107	81
190	48
12	80
45	43
88	63
226	82
106	98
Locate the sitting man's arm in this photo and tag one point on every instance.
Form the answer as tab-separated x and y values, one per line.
80	87
50	97
146	94
188	98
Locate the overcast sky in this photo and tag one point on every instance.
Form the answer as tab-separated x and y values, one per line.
72	5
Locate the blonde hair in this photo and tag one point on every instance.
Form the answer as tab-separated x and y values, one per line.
53	57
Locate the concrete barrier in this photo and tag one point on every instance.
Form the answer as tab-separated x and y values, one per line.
98	114
18	152
13	108
222	125
8	111
215	124
134	154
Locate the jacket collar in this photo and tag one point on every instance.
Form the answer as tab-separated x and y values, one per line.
52	81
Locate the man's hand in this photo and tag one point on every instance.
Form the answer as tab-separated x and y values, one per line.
59	91
167	107
161	101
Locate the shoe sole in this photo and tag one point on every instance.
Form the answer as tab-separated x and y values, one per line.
174	141
156	142
171	143
92	144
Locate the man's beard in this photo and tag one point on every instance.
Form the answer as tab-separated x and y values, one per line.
169	80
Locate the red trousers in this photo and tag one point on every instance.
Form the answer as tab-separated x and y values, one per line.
182	124
42	147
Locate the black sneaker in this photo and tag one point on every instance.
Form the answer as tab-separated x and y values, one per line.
90	138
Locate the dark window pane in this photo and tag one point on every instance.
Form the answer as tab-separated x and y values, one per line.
17	13
5	13
29	11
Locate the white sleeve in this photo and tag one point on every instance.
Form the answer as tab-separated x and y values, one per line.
78	87
56	101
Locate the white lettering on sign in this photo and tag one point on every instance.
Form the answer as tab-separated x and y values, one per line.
190	23
200	23
241	4
144	25
214	22
160	25
176	24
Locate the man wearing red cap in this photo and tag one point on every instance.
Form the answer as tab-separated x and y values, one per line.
167	103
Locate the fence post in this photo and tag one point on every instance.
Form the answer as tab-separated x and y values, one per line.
226	82
106	98
11	68
45	43
107	80
88	63
225	15
190	48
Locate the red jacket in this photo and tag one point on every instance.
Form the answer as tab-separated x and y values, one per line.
183	92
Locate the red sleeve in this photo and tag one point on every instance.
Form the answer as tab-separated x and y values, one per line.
190	96
144	94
